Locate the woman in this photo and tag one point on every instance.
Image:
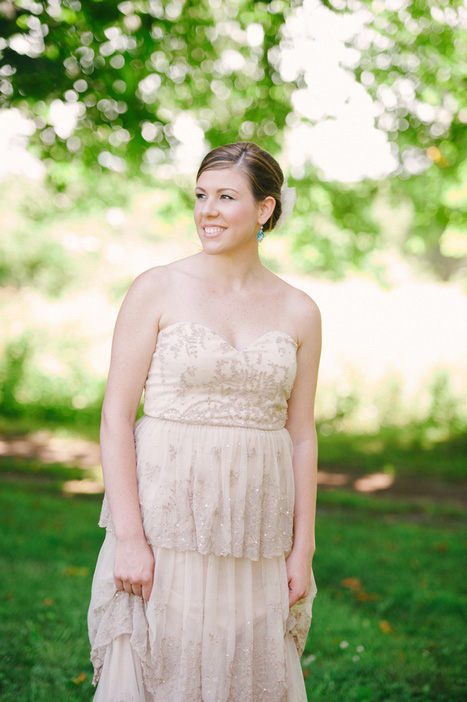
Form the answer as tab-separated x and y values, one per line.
203	586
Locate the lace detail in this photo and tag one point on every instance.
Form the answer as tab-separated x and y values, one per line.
216	491
196	376
214	467
299	620
220	490
241	647
251	674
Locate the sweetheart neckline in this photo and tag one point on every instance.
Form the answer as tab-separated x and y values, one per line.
213	331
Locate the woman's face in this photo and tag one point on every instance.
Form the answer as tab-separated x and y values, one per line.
226	213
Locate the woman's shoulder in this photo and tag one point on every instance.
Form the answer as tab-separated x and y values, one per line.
298	300
159	275
301	310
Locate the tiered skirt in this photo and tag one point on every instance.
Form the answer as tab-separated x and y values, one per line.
217	626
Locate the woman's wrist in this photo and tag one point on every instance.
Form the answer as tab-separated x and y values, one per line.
129	536
304	551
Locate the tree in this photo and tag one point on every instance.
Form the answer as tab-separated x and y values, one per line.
412	65
124	72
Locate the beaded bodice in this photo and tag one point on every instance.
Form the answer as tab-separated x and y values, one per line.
196	376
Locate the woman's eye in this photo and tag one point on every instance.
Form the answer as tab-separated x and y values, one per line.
198	195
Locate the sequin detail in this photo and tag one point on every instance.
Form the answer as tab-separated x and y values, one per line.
196	376
216	490
214	459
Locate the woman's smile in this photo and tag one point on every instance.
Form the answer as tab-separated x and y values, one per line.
211	232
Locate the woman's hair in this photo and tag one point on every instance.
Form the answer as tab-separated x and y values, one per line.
260	168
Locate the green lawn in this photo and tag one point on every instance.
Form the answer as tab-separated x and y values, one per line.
388	620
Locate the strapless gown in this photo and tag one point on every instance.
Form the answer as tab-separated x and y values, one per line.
216	491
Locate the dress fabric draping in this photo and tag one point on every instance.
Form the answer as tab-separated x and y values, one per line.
216	492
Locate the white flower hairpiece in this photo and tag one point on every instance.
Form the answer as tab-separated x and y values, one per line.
288	197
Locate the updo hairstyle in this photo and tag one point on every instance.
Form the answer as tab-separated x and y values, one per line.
262	172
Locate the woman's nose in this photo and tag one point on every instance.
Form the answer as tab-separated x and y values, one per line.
210	205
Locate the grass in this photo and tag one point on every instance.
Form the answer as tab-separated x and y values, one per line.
48	553
404	451
388	621
397	589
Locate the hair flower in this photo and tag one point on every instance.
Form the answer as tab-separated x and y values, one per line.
288	197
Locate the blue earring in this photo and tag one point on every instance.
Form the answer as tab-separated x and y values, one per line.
260	234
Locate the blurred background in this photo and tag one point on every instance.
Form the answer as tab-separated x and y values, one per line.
106	110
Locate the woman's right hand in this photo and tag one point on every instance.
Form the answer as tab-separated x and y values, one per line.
134	566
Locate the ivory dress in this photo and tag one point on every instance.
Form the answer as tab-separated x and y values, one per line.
216	490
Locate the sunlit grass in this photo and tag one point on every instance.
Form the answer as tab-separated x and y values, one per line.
387	620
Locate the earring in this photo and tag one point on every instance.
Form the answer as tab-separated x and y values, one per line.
260	234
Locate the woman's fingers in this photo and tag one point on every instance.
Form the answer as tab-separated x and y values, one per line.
134	569
294	597
136	589
140	589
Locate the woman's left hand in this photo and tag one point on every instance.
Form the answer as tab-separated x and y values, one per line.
298	576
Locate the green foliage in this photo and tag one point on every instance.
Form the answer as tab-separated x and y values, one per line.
411	64
73	397
129	69
132	67
335	228
30	258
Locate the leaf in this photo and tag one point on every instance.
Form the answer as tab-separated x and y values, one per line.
353	583
385	626
363	596
75	571
80	678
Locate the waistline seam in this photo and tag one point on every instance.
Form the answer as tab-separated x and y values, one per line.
210	424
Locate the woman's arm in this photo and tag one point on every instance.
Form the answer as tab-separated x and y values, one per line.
301	426
133	344
305	472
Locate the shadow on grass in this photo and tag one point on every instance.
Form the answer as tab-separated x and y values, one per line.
387	620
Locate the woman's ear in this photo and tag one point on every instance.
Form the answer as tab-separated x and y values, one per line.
267	207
